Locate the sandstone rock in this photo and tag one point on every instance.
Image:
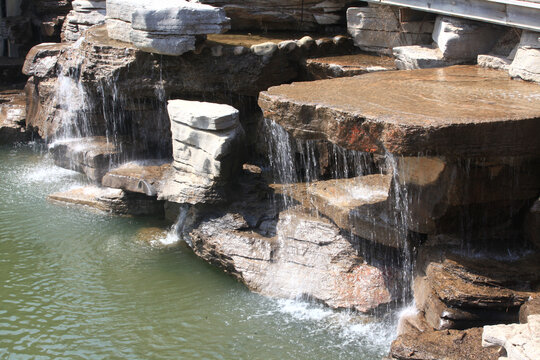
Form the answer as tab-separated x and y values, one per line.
377	28
41	60
141	177
460	292
526	64
447	345
421	57
494	62
346	65
165	28
403	115
84	15
464	39
531	307
357	205
203	115
92	156
13	117
206	141
282	15
308	257
264	49
114	201
521	341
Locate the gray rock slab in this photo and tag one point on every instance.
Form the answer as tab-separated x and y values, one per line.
119	30
203	115
420	57
162	43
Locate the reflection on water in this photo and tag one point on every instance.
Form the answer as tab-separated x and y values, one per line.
79	284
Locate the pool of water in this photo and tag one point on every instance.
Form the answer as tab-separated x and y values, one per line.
77	284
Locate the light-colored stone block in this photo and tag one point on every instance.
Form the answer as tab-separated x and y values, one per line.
119	30
202	115
162	44
420	57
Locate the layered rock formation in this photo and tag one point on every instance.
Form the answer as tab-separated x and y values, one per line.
13	117
378	28
207	140
164	28
85	13
282	14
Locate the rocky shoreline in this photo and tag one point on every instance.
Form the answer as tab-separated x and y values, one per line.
305	166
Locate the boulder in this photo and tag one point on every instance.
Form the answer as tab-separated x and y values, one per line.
401	112
297	256
206	142
526	63
457	291
421	57
92	156
464	39
13	117
145	177
85	13
494	62
109	200
520	341
531	307
41	60
167	28
280	15
447	345
346	65
378	28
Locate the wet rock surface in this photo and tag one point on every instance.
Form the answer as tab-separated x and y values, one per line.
520	341
92	156
459	291
145	177
404	114
13	117
346	65
115	201
439	345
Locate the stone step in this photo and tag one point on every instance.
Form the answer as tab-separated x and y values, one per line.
143	177
92	156
346	65
359	205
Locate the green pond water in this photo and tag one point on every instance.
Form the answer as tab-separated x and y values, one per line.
76	284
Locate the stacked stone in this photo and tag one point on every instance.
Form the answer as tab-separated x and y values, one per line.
206	140
377	28
168	28
85	13
526	62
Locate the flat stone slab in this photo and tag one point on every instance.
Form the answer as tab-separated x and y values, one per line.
347	65
141	177
203	115
458	110
357	205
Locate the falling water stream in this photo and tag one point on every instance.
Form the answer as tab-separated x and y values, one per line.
82	285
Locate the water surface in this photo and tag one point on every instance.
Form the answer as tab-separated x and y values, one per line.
77	284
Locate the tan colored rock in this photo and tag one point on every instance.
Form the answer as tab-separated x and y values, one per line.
13	117
109	200
141	177
442	345
520	341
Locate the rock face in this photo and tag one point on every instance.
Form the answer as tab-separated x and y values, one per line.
145	177
401	114
378	28
520	341
92	156
526	64
282	14
109	200
85	13
13	117
299	256
461	292
346	65
207	139
164	28
464	39
447	345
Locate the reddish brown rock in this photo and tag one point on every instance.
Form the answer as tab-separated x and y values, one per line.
442	345
404	113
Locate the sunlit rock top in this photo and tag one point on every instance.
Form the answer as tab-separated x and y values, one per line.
168	28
